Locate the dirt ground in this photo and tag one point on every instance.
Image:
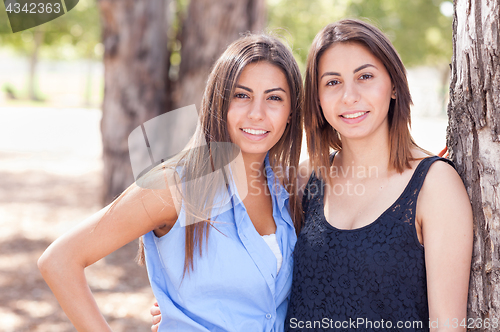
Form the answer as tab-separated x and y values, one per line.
50	179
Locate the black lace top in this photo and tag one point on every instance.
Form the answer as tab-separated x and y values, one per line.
367	279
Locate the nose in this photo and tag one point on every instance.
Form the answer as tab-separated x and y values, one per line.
256	111
351	94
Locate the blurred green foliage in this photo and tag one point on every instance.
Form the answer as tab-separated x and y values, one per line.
300	20
73	35
417	28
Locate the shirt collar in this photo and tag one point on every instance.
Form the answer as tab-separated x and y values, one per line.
275	186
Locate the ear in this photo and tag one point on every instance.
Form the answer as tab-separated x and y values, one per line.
393	94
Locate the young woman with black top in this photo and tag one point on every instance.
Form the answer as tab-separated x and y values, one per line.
386	241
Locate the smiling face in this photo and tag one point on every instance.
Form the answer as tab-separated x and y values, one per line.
354	91
259	108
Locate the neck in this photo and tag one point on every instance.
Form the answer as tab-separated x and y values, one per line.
369	154
254	170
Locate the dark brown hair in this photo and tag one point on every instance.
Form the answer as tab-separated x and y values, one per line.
218	93
321	136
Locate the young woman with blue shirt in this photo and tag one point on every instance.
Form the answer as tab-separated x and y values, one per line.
219	257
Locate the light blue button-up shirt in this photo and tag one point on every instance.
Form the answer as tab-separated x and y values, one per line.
234	285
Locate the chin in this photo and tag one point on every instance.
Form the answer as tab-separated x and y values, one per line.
254	152
355	135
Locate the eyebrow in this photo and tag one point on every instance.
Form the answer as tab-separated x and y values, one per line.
330	73
274	89
267	91
363	67
244	88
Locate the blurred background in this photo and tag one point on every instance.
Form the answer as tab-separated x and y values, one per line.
122	63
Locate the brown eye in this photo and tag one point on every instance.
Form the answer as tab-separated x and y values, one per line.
240	96
276	98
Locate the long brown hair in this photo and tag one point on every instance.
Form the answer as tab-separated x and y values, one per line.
326	137
213	129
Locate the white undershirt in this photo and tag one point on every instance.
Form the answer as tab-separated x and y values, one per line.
275	248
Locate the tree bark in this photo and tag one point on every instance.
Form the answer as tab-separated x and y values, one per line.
474	143
209	28
134	34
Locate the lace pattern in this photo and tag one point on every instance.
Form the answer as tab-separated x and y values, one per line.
375	272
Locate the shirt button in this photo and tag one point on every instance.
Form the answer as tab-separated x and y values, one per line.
268	316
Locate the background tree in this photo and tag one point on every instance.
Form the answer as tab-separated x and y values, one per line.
474	143
208	29
73	35
139	79
134	35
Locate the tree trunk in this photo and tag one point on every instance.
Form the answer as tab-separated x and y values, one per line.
136	66
474	143
209	28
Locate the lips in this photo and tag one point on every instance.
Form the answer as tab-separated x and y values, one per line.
254	134
353	115
254	131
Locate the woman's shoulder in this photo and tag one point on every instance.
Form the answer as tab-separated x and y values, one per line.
158	194
442	176
443	190
439	167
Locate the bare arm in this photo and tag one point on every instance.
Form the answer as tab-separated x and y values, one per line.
62	264
445	213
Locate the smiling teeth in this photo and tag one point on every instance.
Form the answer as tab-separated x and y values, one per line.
254	131
353	115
